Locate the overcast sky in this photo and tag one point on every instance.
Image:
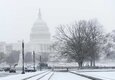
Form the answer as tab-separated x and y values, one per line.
18	16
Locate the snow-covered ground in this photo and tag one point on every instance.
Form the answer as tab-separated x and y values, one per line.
104	74
93	70
44	75
101	75
4	74
20	76
106	63
55	76
66	76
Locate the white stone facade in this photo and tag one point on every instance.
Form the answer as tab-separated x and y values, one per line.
40	36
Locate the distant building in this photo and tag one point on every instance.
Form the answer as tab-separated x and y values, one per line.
39	40
40	36
5	48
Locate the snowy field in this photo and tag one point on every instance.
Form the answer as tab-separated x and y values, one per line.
47	75
103	74
4	74
20	76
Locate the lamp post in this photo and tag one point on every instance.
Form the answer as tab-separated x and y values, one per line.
40	63
34	61
23	72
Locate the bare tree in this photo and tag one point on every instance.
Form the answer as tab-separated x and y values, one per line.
13	58
79	41
94	40
72	40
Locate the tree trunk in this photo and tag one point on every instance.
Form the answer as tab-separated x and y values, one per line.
91	63
80	64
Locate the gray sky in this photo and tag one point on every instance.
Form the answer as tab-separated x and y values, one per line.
17	16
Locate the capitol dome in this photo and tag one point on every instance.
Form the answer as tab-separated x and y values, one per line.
39	32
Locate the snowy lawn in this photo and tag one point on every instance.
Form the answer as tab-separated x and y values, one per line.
105	74
101	75
94	70
3	74
20	76
56	76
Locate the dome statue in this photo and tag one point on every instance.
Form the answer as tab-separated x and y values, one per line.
39	32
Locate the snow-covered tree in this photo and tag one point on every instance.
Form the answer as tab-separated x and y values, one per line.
12	58
109	45
80	41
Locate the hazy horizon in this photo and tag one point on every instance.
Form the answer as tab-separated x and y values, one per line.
18	16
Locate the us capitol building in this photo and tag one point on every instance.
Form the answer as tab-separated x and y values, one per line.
39	36
39	40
